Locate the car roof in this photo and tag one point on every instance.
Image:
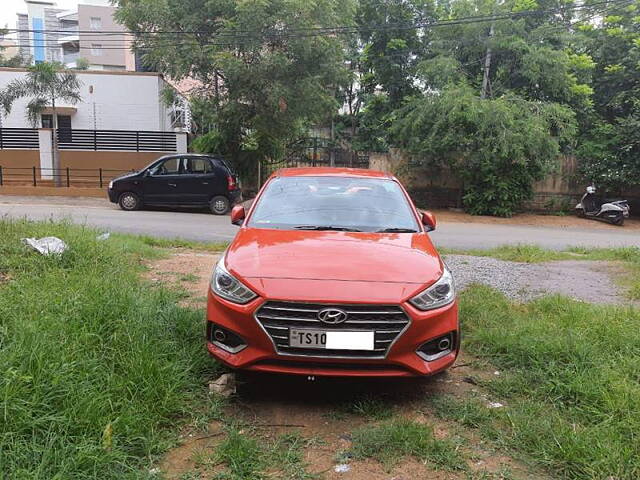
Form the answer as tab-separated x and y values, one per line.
189	154
330	172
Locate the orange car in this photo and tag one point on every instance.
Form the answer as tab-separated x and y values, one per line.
333	273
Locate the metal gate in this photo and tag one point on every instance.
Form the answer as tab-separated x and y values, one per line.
314	152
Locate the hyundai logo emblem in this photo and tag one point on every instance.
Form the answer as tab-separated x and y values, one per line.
332	315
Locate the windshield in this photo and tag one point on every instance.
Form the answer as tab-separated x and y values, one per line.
334	203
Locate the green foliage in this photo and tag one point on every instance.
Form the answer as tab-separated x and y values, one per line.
210	142
499	147
609	150
82	64
387	61
264	90
257	94
96	364
610	154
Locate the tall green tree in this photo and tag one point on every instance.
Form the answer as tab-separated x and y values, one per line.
388	54
259	65
45	85
609	150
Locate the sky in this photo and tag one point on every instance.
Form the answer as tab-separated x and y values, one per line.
9	8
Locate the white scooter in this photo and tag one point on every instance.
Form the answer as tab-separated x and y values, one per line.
596	208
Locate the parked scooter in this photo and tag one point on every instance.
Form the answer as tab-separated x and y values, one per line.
596	208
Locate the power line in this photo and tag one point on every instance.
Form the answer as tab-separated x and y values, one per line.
169	42
347	29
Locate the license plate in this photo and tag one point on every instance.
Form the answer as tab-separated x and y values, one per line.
309	338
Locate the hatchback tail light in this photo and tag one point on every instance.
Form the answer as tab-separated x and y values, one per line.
231	183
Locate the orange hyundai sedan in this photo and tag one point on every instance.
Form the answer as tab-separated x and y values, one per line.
332	273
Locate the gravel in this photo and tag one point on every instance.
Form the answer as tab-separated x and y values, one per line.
589	281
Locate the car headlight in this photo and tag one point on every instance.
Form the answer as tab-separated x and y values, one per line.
437	295
111	185
229	287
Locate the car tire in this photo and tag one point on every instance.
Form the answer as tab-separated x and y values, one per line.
129	201
220	205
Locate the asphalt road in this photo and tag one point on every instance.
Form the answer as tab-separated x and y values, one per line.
204	227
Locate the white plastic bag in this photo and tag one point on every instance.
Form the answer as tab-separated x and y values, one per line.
47	245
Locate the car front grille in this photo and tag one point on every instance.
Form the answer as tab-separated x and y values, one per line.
387	321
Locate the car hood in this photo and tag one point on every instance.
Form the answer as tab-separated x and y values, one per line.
127	176
339	256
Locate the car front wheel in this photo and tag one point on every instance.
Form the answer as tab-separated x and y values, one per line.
129	201
219	205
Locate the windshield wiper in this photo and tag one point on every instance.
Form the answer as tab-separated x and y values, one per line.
396	230
326	227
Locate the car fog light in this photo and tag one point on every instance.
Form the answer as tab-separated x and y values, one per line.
437	348
444	344
225	339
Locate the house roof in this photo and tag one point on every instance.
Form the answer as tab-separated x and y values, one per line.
94	72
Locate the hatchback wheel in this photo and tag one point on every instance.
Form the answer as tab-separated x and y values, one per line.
219	205
129	201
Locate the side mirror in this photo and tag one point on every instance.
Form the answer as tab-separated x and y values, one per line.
237	214
429	221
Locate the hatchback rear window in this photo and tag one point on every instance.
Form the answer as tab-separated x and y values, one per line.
334	203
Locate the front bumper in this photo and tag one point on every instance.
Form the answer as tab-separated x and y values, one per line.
113	195
400	360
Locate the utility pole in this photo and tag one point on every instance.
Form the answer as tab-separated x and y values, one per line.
487	64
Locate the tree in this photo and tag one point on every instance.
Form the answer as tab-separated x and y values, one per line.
498	147
387	57
45	84
609	150
265	86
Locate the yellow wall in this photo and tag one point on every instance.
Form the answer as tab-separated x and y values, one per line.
108	160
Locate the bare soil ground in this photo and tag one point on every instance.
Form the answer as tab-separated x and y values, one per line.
556	221
322	411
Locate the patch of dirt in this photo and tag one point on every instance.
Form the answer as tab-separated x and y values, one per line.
322	410
184	458
187	270
556	221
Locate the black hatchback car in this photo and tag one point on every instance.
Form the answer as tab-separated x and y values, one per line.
179	180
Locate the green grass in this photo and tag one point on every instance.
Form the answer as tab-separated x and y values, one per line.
370	407
248	457
243	455
392	440
173	242
569	381
535	254
97	367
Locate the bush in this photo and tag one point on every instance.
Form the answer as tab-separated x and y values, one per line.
498	147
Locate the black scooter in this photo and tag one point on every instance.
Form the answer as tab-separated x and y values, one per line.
596	208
